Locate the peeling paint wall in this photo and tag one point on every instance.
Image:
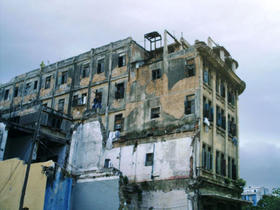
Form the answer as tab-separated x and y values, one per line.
86	147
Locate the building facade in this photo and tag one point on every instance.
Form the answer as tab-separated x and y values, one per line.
166	118
254	194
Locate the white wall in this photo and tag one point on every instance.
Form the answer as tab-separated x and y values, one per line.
171	160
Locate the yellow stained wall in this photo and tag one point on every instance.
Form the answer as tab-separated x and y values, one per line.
12	173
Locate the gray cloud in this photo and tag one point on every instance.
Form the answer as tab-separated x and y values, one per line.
34	30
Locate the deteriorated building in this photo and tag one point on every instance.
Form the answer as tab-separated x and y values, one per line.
164	115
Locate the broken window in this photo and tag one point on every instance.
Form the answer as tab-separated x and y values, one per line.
27	88
6	94
234	169
217	85
218	162
16	92
229	168
85	71
231	98
61	105
207	109
63	78
121	60
219	120
223	119
48	82
149	159
222	90
156	74
206	157
100	66
207	77
107	163
190	104
190	68
84	98
35	85
223	164
119	91
118	122
155	112
75	100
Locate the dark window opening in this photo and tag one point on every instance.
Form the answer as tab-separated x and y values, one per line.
107	163
217	85
231	98
118	122
208	109
85	71
64	77
223	119
223	165
218	161
190	68
155	112
121	61
190	104
119	91
27	88
223	90
207	77
35	85
48	82
16	92
231	126
234	169
149	159
100	66
156	74
229	168
6	94
61	105
45	105
206	157
98	96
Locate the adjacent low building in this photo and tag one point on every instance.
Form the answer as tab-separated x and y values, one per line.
254	194
160	120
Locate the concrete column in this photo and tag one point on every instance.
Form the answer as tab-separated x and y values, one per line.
109	87
237	133
91	65
214	121
226	134
55	85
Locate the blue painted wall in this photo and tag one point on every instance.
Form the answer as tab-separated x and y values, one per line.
58	193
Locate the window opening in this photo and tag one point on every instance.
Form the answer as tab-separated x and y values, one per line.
121	60
85	71
155	112
35	85
48	82
119	91
61	105
156	74
6	94
190	104
16	92
118	122
190	68
149	159
100	66
64	77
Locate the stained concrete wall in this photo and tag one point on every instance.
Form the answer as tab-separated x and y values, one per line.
171	160
102	193
86	147
175	199
3	139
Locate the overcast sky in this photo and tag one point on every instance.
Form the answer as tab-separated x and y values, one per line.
32	31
